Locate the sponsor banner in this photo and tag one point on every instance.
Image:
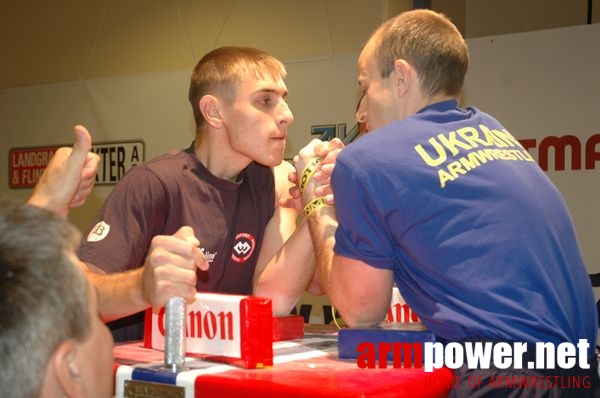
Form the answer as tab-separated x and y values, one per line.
235	329
26	165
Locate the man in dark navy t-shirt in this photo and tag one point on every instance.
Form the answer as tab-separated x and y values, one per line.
207	218
444	202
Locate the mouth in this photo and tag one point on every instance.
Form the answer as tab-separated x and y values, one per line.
279	143
280	137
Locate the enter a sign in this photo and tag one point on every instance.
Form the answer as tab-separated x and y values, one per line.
116	159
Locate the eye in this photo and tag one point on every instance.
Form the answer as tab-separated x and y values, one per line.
265	100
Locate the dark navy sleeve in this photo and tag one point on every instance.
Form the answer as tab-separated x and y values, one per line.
361	233
120	235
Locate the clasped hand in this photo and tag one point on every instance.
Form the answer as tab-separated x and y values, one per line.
170	268
319	183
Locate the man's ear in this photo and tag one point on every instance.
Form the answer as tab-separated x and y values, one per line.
403	77
66	368
209	107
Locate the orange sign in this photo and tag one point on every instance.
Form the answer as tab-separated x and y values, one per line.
26	165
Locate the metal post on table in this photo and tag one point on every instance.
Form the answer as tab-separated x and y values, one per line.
175	334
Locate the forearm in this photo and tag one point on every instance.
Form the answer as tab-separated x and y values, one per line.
340	281
322	225
354	288
119	294
40	197
288	274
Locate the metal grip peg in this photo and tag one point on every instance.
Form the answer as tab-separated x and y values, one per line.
175	334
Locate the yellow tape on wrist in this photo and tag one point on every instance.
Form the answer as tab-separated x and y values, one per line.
308	172
313	205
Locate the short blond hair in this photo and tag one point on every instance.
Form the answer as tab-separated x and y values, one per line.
429	42
218	71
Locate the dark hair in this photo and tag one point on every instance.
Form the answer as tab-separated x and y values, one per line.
43	295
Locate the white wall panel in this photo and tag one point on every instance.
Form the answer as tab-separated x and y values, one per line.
542	84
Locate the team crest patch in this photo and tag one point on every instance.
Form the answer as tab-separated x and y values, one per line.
243	247
99	232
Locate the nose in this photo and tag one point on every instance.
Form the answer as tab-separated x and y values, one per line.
361	111
361	117
361	114
286	114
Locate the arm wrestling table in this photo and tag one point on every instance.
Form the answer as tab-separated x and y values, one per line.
307	367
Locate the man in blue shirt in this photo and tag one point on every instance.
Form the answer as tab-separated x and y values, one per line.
445	202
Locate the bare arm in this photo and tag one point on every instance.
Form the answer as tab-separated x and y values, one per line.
285	264
119	294
360	293
169	270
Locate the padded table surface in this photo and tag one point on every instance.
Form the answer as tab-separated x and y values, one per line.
307	367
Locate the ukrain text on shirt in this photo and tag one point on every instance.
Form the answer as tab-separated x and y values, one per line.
455	153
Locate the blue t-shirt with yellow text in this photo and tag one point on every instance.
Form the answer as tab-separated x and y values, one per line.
480	241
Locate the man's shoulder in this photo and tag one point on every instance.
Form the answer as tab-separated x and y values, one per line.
166	163
161	170
168	159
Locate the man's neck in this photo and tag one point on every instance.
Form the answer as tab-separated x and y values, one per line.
219	159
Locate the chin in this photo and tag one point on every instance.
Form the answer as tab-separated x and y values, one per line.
270	162
271	159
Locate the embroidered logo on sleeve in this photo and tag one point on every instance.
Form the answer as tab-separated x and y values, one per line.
243	247
99	232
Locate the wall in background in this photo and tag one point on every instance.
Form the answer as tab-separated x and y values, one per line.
543	86
122	69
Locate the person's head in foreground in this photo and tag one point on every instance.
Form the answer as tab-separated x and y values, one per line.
52	341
